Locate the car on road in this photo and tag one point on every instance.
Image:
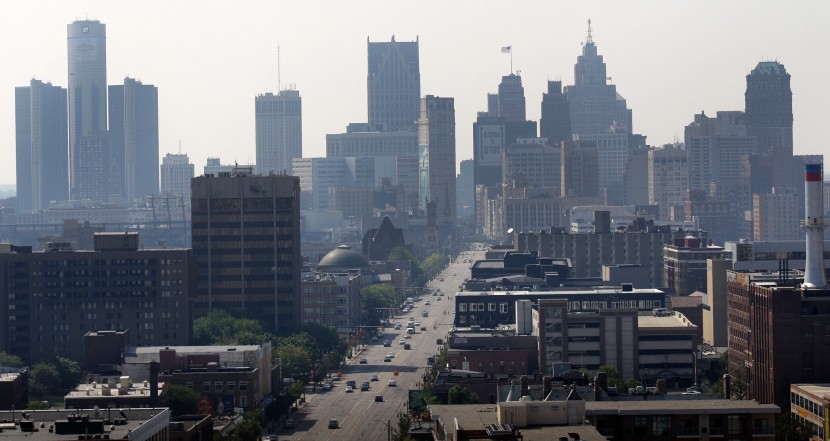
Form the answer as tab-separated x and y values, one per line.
402	342
364	386
426	303
417	324
363	361
379	398
326	386
392	383
441	279
407	336
423	328
438	299
387	343
373	377
387	359
453	274
333	424
439	341
349	389
390	354
407	346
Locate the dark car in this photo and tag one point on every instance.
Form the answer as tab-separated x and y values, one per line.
333	423
289	423
363	361
379	398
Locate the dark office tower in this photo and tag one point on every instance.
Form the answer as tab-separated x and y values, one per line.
394	85
134	140
42	163
595	105
246	242
512	98
436	139
769	108
92	181
279	131
579	169
555	123
87	96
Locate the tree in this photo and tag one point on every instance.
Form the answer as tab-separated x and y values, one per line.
613	375
182	400
461	395
402	432
434	264
37	405
219	327
295	359
403	253
788	428
70	372
10	360
376	297
250	428
44	380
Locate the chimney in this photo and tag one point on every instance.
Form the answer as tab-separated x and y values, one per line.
727	392
662	386
154	383
546	385
167	359
813	224
525	390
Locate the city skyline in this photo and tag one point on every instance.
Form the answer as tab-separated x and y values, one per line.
667	72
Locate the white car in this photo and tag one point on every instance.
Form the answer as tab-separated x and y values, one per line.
373	377
402	342
407	336
390	354
426	303
392	383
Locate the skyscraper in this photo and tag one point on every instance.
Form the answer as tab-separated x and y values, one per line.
279	131
87	96
394	85
512	98
668	180
717	148
176	173
595	105
769	108
246	242
40	128
134	140
555	123
436	138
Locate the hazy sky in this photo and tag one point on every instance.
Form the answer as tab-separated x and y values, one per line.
209	59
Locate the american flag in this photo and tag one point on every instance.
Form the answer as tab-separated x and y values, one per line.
506	49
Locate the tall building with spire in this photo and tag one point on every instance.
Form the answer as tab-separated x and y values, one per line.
769	108
394	85
279	131
41	150
595	105
87	97
512	98
134	140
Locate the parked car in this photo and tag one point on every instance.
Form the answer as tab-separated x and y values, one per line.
387	359
363	361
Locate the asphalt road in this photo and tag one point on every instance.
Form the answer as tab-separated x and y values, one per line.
359	416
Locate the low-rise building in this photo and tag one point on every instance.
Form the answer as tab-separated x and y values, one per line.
810	405
132	424
14	388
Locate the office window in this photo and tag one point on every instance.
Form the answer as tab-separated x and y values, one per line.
660	425
243	385
735	425
231	386
206	386
218	386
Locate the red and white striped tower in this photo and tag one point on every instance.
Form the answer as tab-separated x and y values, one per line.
813	224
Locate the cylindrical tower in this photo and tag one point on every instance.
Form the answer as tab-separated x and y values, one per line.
813	224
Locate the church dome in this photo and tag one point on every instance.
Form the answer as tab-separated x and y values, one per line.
344	258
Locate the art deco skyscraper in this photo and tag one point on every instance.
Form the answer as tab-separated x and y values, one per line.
595	105
512	98
42	163
769	108
176	173
394	85
134	140
436	137
279	131
87	96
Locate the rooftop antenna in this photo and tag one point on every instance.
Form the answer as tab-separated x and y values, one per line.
590	38
279	76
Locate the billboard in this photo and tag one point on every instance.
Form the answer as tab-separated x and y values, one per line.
490	144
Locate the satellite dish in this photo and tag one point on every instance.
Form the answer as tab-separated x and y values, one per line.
510	231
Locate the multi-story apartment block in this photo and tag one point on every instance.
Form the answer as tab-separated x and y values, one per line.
176	173
685	265
53	298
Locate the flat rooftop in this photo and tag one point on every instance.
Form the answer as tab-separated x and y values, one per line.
675	320
682	407
43	419
566	291
476	416
817	389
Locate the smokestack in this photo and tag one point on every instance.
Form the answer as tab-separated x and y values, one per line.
727	389
154	383
813	224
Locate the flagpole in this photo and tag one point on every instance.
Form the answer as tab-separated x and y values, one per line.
511	60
